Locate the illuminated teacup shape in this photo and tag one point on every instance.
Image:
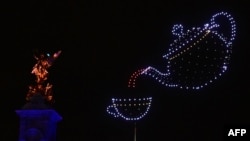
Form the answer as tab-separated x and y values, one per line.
197	56
130	108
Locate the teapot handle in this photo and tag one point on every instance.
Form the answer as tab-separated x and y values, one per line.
232	22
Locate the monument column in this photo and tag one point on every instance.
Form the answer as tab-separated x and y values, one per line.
38	125
38	120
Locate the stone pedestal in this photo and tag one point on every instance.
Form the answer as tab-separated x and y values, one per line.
38	124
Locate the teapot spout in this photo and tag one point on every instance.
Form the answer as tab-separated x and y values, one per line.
151	72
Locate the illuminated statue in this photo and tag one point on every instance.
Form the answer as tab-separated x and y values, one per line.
40	70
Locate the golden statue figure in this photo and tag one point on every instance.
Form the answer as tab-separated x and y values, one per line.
40	70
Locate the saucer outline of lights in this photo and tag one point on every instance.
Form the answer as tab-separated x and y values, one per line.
138	103
182	45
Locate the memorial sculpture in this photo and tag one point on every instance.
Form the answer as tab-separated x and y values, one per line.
40	70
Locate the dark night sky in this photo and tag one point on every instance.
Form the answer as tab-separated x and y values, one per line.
103	43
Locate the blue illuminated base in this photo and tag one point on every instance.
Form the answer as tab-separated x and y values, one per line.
38	125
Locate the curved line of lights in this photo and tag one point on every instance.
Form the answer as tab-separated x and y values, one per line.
131	82
177	48
140	102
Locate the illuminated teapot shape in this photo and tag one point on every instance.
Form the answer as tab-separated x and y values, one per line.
197	56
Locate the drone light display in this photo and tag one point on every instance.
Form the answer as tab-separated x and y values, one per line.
197	57
130	108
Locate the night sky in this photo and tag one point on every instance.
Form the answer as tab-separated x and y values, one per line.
103	43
